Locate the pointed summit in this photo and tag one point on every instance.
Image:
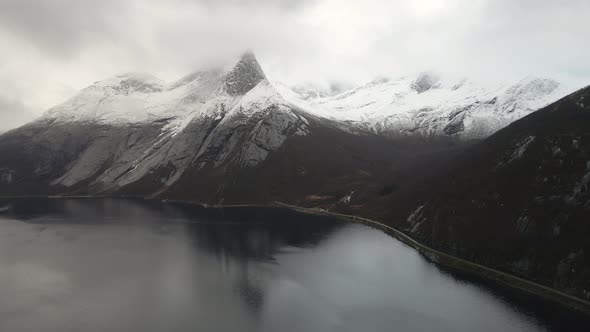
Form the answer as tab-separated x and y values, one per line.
245	75
426	81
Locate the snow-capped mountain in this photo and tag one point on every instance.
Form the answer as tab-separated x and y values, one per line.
428	105
124	129
135	133
425	105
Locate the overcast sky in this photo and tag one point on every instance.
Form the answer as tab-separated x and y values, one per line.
49	49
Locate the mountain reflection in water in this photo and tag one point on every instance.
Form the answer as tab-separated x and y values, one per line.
124	265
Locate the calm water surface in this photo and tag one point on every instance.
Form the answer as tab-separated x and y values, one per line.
122	265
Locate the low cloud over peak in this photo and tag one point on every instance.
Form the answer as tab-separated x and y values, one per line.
50	49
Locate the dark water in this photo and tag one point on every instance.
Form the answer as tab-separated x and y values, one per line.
119	265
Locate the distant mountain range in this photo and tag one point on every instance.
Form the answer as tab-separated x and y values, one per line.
425	154
431	106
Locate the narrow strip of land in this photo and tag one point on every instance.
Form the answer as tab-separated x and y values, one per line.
436	256
454	262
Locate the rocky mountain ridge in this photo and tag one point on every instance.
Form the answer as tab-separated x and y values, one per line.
430	106
118	131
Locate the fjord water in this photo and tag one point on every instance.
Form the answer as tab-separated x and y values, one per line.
125	265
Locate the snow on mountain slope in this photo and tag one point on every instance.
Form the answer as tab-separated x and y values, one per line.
430	106
134	126
137	98
424	105
227	130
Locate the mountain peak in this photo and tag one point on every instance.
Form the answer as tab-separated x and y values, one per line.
426	81
245	75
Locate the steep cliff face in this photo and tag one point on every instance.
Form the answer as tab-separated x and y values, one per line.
520	200
119	131
244	76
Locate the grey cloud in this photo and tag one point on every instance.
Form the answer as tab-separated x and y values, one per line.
61	26
536	36
309	41
282	4
13	113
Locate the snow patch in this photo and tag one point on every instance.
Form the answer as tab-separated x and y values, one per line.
346	199
522	224
416	219
581	186
519	150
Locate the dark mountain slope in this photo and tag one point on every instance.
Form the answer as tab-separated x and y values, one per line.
133	128
213	136
40	153
519	201
321	168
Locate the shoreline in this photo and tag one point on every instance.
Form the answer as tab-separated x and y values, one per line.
502	278
438	257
